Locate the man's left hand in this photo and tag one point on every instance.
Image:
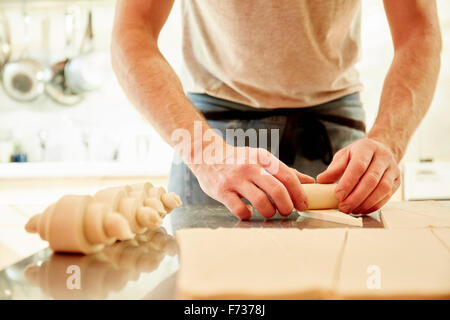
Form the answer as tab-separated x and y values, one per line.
368	173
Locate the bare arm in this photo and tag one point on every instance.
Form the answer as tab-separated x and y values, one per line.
146	77
153	87
369	167
411	81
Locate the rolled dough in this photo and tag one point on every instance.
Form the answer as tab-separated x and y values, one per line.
321	196
86	224
77	223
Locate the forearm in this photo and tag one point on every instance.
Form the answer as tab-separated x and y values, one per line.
408	91
151	84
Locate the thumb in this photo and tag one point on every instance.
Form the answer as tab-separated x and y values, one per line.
336	167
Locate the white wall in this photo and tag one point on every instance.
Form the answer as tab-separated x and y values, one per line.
432	139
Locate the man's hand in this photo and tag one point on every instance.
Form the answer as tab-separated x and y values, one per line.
231	179
368	173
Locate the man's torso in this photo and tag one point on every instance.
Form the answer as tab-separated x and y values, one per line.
271	53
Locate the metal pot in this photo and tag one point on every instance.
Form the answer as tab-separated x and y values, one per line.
57	87
88	70
24	79
5	41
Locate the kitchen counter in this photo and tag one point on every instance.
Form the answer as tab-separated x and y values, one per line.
133	269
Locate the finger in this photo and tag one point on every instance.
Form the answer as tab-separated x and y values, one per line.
304	178
379	205
357	166
365	186
235	204
259	200
288	178
336	167
386	187
276	191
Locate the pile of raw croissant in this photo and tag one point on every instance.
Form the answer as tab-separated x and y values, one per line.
86	224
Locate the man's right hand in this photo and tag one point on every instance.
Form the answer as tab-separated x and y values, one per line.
229	180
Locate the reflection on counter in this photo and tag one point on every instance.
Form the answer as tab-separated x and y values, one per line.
218	216
69	276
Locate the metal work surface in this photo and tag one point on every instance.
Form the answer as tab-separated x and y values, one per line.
144	268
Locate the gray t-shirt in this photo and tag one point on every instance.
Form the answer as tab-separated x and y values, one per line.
271	53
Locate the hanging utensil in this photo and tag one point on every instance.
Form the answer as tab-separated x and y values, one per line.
57	87
5	41
88	70
24	79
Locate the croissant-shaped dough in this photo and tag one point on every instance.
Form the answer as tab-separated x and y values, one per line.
79	224
86	224
169	200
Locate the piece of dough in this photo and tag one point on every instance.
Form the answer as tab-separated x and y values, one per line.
85	224
119	201
319	263
409	263
333	216
143	205
79	224
443	234
169	200
321	196
258	263
415	214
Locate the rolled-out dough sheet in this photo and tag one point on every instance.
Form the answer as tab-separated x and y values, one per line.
428	208
258	263
409	263
334	216
443	234
415	214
